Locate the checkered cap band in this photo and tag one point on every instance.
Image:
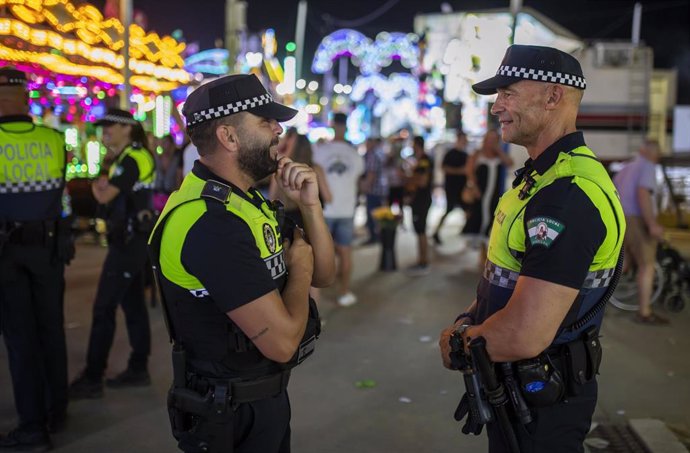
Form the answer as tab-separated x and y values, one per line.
229	109
31	186
598	279
120	119
542	76
499	276
199	293
276	265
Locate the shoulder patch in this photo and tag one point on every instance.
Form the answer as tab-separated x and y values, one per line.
544	230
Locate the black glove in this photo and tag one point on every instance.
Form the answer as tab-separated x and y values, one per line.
472	425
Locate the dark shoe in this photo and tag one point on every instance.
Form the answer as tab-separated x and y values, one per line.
418	270
85	387
57	423
24	440
437	239
651	320
129	378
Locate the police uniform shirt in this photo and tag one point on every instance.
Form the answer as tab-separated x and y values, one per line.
565	259
27	164
564	255
221	252
125	176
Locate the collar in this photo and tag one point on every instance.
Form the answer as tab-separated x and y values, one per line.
563	145
16	119
203	172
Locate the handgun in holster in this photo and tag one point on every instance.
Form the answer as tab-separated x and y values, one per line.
185	404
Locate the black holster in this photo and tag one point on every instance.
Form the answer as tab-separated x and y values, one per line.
6	229
582	359
199	422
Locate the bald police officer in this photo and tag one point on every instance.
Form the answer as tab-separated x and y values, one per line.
554	244
236	285
32	179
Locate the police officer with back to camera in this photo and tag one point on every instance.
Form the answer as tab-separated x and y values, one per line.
127	194
235	286
554	247
35	244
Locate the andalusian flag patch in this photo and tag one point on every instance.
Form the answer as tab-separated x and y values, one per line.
544	230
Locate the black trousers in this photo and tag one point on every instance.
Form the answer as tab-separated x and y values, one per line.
121	283
32	286
260	426
559	428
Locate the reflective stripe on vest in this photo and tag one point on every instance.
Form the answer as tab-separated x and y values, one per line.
507	242
32	158
261	221
145	164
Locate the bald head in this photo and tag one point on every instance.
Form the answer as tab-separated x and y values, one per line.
650	150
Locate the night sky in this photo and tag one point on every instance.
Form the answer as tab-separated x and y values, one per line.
665	24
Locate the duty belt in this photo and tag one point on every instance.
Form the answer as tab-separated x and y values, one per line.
243	391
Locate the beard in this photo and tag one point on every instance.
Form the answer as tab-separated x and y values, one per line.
256	161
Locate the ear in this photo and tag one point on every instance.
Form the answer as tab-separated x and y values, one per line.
554	96
227	136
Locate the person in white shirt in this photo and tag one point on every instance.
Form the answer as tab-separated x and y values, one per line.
343	167
189	156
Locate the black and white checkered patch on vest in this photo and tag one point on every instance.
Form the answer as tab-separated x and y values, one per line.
543	76
30	186
276	265
229	109
599	279
499	276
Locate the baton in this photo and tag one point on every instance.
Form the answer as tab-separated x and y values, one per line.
495	392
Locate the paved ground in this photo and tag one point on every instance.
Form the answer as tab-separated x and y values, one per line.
388	338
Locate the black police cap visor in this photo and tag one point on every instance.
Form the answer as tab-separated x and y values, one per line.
12	77
231	90
542	64
116	116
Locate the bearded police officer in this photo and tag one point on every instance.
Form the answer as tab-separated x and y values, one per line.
554	244
33	253
127	195
235	286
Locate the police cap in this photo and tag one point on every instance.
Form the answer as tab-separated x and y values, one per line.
12	77
233	94
117	116
543	64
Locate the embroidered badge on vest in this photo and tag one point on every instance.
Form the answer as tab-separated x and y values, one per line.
500	217
544	230
269	238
